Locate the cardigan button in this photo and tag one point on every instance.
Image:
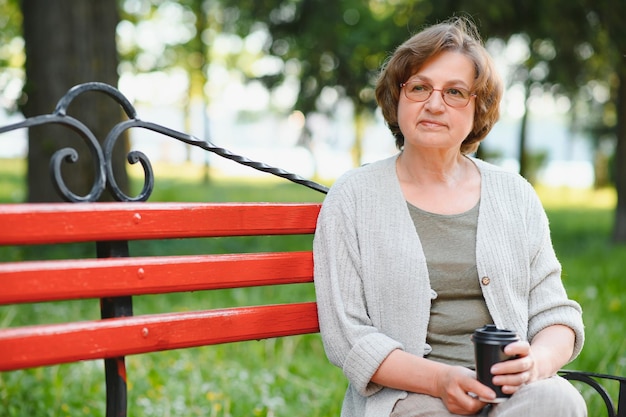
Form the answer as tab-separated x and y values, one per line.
485	280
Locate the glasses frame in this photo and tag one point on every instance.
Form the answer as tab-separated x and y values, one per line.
432	90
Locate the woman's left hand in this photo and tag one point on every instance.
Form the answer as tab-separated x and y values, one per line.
514	373
550	349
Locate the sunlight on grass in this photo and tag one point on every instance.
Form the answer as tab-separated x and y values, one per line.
565	197
12	180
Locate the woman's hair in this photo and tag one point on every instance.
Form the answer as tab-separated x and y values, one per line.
457	35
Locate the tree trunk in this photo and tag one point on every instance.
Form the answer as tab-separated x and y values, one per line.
522	153
619	229
69	42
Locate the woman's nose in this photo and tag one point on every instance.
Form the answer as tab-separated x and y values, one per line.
435	101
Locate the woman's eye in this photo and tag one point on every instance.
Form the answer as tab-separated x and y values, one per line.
455	92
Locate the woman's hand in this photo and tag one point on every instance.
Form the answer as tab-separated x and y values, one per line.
514	373
550	349
454	386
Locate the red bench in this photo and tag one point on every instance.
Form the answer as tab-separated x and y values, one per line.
115	276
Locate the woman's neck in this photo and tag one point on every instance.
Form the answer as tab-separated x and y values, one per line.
435	168
443	186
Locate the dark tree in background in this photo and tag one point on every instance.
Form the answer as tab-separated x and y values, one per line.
69	42
611	17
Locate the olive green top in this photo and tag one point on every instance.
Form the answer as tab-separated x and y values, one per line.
449	243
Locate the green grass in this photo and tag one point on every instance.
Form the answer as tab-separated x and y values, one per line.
12	180
287	376
593	274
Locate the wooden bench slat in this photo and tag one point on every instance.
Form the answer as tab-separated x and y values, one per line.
81	222
39	281
21	348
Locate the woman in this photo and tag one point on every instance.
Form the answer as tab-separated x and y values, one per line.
414	252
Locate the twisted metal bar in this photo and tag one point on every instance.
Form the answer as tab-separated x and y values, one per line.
103	158
120	128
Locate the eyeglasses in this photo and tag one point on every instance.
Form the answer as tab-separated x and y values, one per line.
452	96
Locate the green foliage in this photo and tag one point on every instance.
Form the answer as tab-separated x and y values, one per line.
336	45
12	54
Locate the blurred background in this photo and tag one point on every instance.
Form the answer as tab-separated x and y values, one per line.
290	83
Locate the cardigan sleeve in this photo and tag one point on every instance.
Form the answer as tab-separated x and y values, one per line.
351	341
548	300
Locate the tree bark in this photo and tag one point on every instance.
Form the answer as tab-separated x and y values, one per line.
69	42
619	228
521	144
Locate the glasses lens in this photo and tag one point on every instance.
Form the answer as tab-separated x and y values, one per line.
417	92
453	97
456	97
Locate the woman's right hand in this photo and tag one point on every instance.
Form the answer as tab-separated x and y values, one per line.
459	390
457	386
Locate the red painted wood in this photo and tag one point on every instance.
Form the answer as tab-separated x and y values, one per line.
78	222
99	278
37	281
22	347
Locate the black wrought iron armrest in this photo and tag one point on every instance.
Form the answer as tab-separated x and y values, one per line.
591	379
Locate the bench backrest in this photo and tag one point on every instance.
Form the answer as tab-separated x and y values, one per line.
117	276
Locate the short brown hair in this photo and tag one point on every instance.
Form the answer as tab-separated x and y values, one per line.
458	34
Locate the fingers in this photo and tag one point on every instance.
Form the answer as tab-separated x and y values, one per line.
511	383
469	405
475	388
465	403
511	375
513	366
524	361
461	390
521	348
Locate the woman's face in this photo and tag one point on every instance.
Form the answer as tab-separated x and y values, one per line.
433	123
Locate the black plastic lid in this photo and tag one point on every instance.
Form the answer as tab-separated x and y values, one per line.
491	334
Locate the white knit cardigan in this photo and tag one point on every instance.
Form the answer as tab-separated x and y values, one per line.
372	284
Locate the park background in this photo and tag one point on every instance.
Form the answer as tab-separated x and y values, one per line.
289	83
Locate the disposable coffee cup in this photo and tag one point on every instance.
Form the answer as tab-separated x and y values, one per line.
489	343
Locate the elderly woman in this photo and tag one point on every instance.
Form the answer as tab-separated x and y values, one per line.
414	252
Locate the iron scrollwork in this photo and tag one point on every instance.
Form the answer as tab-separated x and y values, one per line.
69	155
103	154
